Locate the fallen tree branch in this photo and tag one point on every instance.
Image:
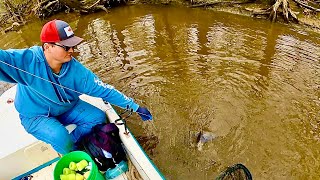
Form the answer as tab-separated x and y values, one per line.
220	2
43	2
94	4
102	8
50	4
10	28
307	6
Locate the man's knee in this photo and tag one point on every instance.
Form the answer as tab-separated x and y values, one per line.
49	130
60	140
101	117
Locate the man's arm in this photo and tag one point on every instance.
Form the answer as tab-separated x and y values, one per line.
95	87
15	65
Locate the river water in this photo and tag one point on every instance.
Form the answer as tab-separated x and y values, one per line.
254	84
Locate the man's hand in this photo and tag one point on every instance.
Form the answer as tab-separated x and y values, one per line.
144	114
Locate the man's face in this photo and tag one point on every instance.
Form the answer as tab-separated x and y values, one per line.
59	52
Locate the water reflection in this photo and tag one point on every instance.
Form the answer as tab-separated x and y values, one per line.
253	84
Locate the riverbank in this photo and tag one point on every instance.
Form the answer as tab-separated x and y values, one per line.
15	14
310	21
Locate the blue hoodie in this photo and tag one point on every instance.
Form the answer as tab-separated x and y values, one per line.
52	94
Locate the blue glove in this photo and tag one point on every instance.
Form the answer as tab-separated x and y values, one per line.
144	114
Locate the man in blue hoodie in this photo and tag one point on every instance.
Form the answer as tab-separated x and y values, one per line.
50	82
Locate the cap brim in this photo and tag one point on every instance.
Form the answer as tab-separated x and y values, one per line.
75	40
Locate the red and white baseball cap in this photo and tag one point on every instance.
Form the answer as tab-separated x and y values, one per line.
57	31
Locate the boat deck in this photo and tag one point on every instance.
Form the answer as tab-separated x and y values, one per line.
45	173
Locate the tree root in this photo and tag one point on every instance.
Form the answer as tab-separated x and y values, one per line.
286	11
273	11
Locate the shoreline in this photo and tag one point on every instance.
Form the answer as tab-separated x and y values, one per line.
311	22
250	9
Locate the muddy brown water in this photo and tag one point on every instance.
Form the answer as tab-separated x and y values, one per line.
254	84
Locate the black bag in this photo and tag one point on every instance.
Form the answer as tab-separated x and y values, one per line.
103	136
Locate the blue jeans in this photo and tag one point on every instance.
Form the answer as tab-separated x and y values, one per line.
52	129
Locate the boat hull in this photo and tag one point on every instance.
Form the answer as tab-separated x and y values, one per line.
21	153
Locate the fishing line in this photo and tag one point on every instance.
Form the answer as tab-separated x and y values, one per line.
41	78
153	125
50	81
